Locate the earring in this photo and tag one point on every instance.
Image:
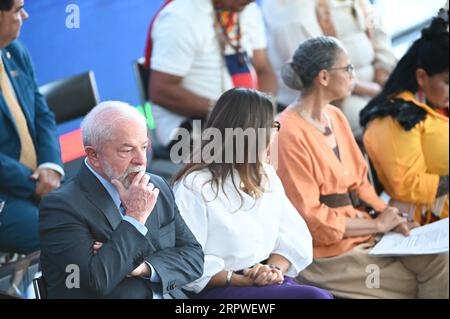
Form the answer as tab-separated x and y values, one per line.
420	96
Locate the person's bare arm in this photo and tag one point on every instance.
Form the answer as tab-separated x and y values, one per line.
166	90
360	227
267	81
389	220
381	76
365	88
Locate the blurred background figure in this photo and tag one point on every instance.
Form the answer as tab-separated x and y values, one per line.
198	49
354	22
407	128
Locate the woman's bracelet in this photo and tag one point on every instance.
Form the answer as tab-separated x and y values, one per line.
274	267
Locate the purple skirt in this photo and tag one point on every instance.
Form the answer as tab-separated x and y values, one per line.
289	289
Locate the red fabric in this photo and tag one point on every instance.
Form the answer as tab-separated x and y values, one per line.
245	80
149	48
71	146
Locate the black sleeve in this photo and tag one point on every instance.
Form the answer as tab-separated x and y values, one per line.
443	188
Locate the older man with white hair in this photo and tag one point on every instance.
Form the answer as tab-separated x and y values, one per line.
115	231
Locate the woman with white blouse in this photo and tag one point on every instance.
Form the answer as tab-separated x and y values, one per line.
253	238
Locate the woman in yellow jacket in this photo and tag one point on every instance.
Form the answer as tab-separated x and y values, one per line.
407	128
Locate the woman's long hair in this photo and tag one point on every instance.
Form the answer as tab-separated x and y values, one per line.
236	109
430	53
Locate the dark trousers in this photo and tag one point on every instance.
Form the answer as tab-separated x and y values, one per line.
19	226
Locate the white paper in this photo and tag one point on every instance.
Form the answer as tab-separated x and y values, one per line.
428	239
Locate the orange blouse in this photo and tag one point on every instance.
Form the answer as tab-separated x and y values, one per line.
309	168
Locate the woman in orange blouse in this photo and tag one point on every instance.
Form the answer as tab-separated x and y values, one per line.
325	177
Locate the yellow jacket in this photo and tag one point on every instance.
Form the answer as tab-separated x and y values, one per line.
410	163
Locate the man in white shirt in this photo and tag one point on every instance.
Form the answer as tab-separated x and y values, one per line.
188	69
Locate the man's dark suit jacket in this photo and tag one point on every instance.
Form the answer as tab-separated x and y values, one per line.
82	212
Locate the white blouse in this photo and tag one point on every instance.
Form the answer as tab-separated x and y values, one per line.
235	238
